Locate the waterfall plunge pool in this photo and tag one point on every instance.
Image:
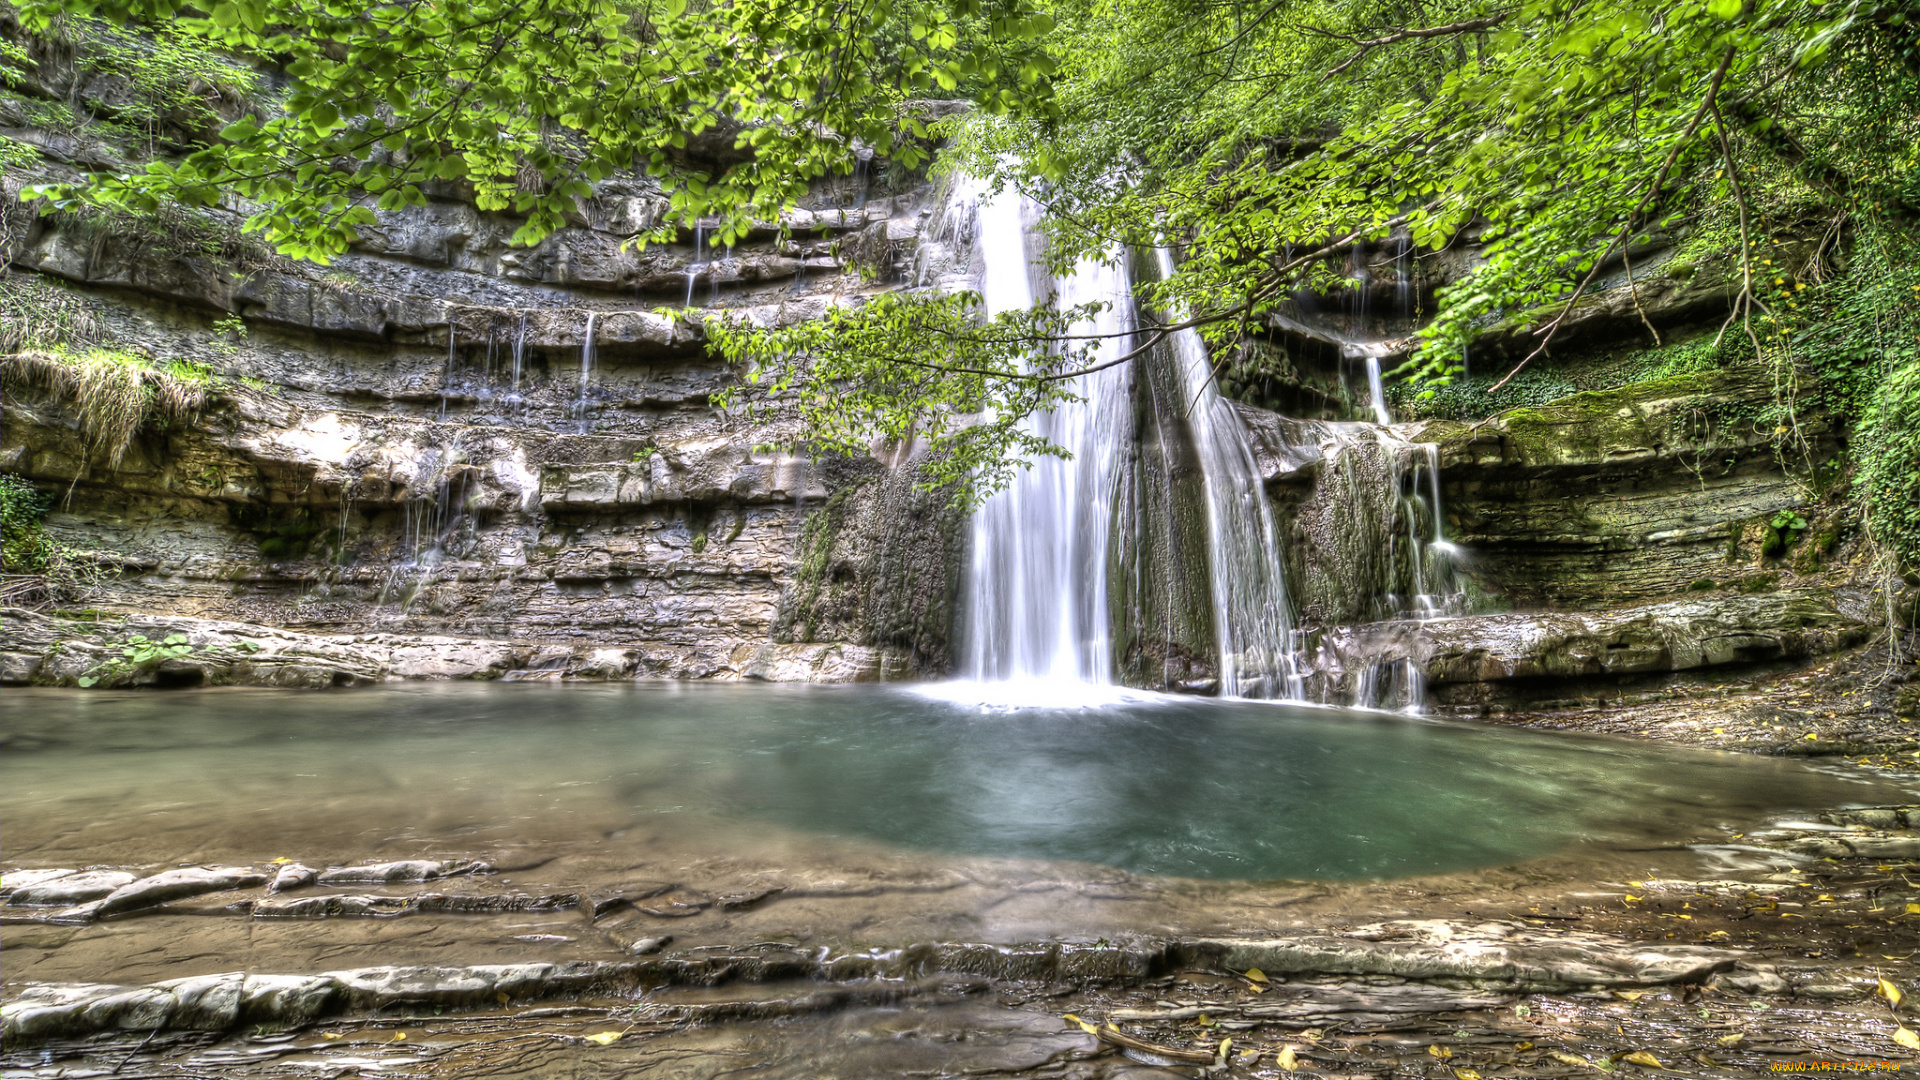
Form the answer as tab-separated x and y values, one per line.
1147	784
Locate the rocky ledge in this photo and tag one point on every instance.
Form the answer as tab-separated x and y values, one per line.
54	651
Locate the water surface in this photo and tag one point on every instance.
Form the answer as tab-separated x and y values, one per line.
1153	785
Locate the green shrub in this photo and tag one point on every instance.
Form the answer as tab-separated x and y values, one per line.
24	546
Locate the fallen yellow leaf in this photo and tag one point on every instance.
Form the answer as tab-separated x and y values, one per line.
1906	1038
1466	1074
1641	1057
1731	1040
502	997
1891	993
1719	935
1633	899
1568	1059
605	1038
1439	1051
1226	1047
330	1036
1256	975
1913	909
399	1036
281	861
1204	1020
1523	1046
1286	1059
1629	995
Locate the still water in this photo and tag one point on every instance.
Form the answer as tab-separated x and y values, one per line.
1148	784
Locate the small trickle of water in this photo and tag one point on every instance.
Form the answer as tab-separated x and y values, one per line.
696	266
446	370
514	400
581	403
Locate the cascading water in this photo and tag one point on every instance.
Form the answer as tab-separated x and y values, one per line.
1253	622
694	267
1377	393
581	402
514	400
1036	588
1037	610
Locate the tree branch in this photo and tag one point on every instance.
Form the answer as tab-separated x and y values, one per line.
1659	181
1467	27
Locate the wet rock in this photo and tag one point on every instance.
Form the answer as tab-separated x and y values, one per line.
1542	649
19	879
174	885
678	904
649	945
1507	954
1829	991
1876	817
396	872
292	876
349	906
64	887
322	907
747	901
1856	846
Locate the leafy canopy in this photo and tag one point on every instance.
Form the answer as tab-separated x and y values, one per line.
530	102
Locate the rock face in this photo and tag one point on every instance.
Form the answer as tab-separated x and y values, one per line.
448	457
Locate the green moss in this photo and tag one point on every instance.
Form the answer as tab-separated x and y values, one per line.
1703	585
1759	584
811	571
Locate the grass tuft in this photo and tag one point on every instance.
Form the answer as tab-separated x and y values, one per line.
116	393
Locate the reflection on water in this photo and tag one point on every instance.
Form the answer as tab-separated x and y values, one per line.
1154	785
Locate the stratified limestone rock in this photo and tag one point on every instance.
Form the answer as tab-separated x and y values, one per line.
1432	966
1496	953
1647	639
349	906
173	885
62	887
395	872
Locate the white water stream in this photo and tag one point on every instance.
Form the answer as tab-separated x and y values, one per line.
1038	623
1036	585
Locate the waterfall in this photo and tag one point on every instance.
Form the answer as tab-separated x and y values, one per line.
1253	622
586	375
694	267
1036	589
519	357
1377	393
1154	551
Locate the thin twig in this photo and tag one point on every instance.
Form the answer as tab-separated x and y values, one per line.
1742	304
1633	290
